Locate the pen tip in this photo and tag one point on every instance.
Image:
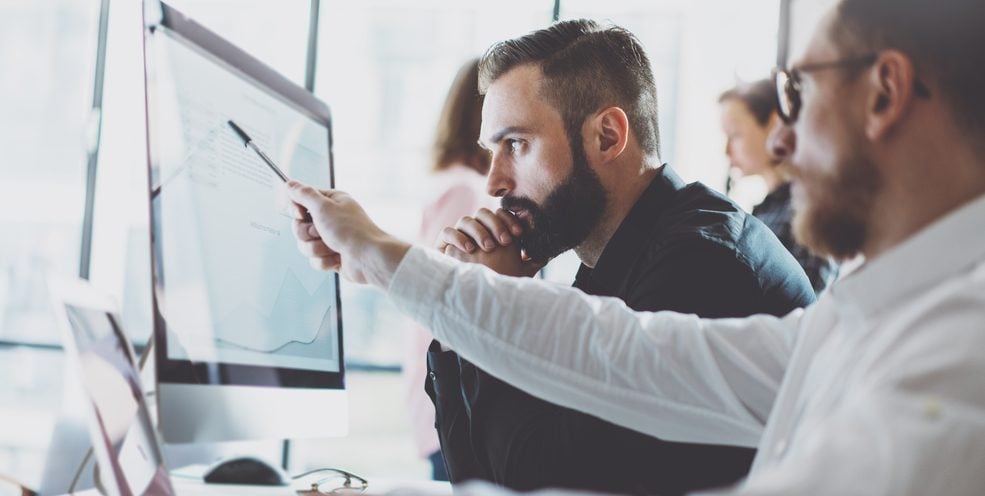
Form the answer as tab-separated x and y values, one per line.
239	131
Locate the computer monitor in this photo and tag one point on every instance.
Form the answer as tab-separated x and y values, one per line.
248	336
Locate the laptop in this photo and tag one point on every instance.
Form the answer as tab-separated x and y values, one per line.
125	442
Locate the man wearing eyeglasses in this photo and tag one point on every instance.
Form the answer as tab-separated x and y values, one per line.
879	387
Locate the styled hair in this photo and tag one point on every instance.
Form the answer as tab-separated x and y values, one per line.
586	67
456	140
943	38
759	97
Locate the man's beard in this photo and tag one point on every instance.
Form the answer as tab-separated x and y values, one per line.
567	216
831	217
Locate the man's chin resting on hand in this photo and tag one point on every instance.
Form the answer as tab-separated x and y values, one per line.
489	239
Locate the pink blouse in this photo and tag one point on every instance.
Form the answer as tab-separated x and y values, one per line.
457	191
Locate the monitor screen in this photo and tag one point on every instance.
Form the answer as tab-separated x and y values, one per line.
235	301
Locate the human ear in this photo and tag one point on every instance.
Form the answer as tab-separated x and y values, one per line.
611	130
891	93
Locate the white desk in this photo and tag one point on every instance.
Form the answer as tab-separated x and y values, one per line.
189	487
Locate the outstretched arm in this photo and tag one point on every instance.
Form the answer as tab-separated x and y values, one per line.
669	375
673	376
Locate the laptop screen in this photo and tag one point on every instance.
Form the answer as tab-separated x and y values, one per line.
123	438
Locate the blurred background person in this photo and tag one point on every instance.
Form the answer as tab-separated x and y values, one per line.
748	114
457	189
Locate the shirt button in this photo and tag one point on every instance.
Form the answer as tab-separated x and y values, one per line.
780	448
433	377
932	408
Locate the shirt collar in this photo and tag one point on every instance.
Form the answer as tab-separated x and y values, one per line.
630	239
779	195
951	245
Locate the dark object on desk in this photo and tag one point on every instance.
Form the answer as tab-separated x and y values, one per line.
247	471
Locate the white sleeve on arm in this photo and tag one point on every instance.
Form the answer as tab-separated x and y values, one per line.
672	376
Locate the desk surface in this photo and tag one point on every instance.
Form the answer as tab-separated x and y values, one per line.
188	487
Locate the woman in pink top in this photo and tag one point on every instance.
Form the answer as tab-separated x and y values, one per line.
458	189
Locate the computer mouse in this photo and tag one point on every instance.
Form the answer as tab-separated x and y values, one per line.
246	470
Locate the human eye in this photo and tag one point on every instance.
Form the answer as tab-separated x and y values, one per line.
513	145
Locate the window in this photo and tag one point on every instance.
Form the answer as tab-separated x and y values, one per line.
46	52
384	68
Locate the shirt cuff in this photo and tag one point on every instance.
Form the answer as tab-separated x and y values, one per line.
419	283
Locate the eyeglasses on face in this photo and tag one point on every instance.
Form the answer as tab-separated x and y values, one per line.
789	83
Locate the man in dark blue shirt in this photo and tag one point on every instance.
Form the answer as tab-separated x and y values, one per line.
570	121
683	248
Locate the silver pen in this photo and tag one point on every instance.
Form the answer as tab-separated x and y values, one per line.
248	141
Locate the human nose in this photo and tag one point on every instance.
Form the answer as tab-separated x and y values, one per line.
781	142
500	180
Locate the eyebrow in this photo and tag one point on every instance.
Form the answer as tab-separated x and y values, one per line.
496	138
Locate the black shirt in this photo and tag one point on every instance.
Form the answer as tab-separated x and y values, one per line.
776	212
682	247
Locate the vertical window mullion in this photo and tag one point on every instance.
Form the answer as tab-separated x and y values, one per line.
93	132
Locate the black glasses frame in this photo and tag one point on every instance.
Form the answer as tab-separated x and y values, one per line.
346	487
788	83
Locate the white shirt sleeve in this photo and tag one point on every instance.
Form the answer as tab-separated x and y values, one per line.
673	376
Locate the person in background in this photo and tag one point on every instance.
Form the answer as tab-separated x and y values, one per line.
749	113
457	189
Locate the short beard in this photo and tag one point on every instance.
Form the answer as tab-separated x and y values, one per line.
832	219
569	214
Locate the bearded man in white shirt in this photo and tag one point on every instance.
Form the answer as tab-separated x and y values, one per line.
878	388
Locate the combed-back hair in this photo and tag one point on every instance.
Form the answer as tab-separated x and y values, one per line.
587	67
